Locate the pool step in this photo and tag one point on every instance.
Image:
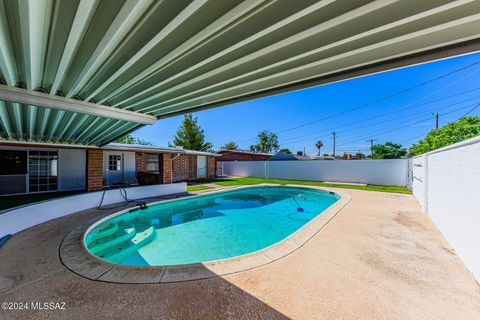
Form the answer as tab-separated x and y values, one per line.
105	231
109	241
118	252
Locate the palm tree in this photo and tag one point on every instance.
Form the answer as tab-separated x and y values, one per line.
319	145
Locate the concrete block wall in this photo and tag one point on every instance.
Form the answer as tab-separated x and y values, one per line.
446	183
94	169
380	172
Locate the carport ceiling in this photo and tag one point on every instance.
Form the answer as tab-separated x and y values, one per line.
88	71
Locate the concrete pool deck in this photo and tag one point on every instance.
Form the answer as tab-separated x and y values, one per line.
379	258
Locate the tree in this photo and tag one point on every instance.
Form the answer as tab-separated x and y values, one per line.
389	150
464	128
230	146
285	150
190	136
360	155
319	145
129	139
267	142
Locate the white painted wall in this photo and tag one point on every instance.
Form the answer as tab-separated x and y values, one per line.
419	180
129	169
450	194
72	166
379	172
25	217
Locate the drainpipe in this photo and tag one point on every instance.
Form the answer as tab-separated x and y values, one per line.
171	166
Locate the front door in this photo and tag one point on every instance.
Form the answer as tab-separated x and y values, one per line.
201	166
114	168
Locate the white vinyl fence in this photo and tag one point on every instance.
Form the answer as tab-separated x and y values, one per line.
379	172
446	182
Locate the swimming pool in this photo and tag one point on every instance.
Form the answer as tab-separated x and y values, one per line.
208	227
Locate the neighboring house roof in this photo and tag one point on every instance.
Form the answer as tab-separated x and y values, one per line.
286	157
89	73
245	152
152	148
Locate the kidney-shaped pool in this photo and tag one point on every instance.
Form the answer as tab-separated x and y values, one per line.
208	227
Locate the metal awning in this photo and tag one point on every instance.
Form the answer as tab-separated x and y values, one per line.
89	71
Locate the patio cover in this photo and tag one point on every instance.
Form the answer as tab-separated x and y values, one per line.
89	71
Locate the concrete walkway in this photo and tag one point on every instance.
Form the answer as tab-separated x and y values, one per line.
379	258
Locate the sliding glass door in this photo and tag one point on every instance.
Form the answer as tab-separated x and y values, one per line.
43	171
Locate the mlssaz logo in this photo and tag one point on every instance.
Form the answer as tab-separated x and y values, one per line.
48	306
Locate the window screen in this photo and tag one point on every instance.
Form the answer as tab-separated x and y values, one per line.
43	171
152	162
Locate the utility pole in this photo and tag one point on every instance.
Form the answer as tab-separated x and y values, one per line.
334	140
436	119
371	146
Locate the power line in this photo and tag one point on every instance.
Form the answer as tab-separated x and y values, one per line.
411	105
408	116
379	99
401	127
390	112
416	137
470	110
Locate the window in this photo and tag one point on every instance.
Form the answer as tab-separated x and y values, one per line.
13	162
114	162
43	167
152	163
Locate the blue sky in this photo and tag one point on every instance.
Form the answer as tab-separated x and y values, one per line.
404	118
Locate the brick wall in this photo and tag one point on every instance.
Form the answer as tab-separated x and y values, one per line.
185	167
211	167
180	168
167	168
192	167
94	170
140	161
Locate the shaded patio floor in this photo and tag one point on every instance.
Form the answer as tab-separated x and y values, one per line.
379	258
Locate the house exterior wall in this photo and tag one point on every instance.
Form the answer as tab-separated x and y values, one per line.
167	168
140	162
129	169
94	169
173	168
180	168
211	164
72	166
84	168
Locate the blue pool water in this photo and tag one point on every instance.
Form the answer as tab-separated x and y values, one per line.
208	227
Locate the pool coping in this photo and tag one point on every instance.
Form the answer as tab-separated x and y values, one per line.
76	257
